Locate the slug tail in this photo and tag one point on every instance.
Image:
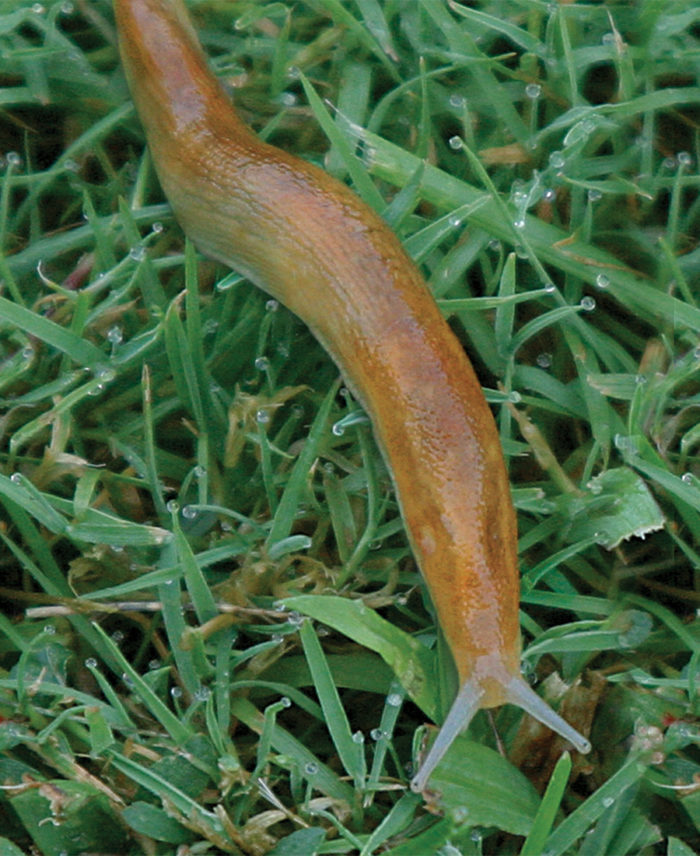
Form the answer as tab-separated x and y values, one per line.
522	695
465	705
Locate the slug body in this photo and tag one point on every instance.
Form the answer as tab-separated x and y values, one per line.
309	242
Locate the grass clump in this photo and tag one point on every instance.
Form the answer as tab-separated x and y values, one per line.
214	638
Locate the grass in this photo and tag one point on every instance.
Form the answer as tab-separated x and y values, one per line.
213	637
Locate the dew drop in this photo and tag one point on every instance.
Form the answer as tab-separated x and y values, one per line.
311	768
173	506
272	305
262	416
621	442
608	801
687	478
189	512
154	664
457	101
684	159
520	223
285	701
202	694
157	227
557	160
288	99
377	734
137	253
338	429
369	155
544	360
38	9
115	335
49	629
549	195
358	737
594	195
262	364
533	90
295	618
602	281
587	303
455	143
13	159
91	663
176	692
455	221
394	700
117	637
106	374
494	245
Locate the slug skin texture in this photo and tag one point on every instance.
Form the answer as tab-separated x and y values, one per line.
309	242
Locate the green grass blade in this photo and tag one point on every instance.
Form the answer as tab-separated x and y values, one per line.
350	751
546	814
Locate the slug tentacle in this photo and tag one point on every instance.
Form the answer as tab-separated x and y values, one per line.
469	700
308	241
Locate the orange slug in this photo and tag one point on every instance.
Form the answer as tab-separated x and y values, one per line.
309	242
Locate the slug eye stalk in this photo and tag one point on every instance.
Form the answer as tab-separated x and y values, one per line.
469	701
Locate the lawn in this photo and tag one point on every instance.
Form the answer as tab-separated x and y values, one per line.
214	637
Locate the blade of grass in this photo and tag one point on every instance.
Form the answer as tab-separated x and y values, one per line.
167	719
289	501
81	351
351	752
580	821
321	776
546	814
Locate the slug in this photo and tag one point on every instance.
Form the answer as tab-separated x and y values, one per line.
309	242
